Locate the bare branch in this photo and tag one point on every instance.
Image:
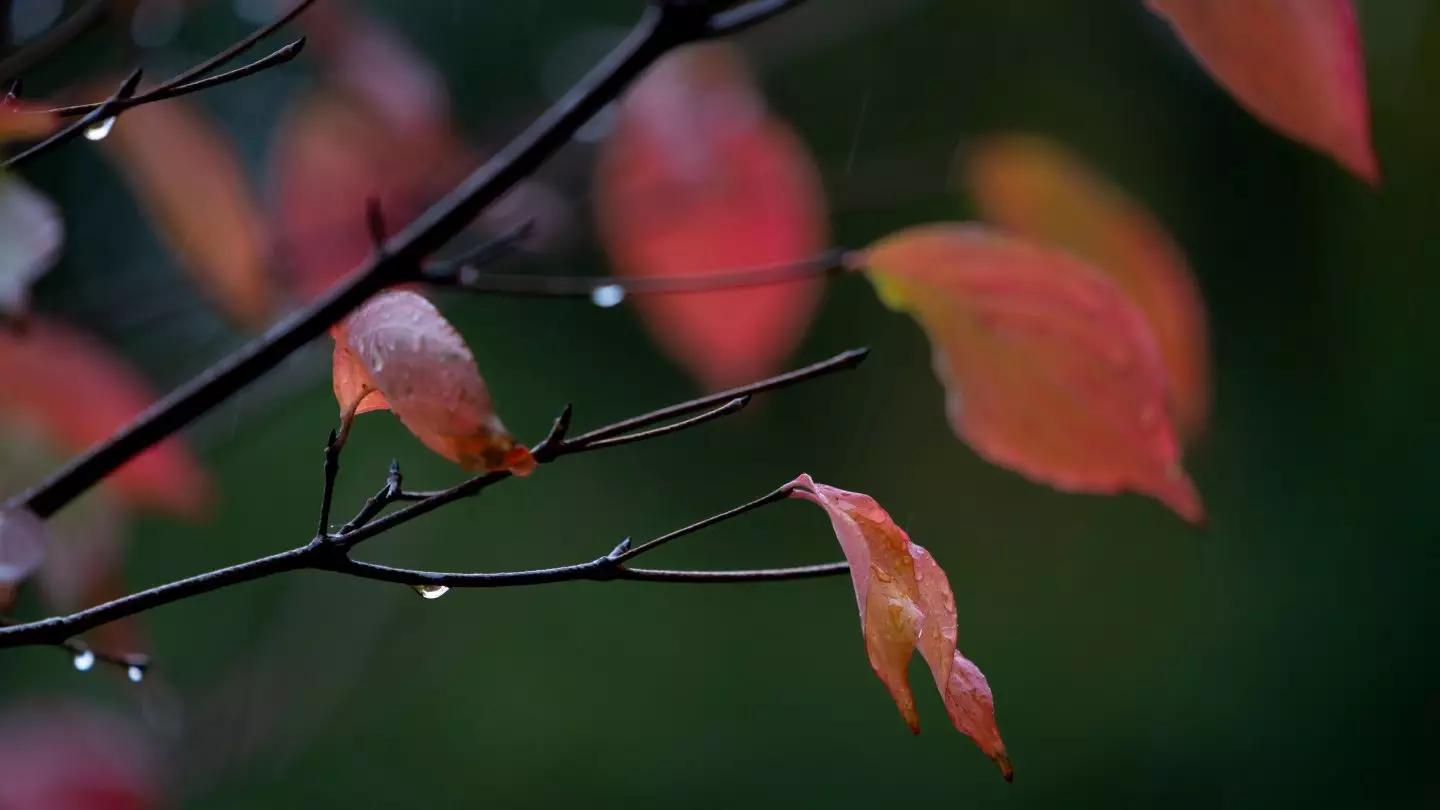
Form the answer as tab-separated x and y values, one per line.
329	552
106	109
661	28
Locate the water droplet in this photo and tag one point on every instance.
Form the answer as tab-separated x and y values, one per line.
98	130
607	296
84	660
431	591
135	673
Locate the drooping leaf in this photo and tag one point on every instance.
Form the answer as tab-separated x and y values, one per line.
398	352
906	604
698	177
188	178
1297	65
60	757
1049	368
73	390
1035	187
31	235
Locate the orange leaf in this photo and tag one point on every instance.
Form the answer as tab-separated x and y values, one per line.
189	179
906	603
1035	187
74	391
398	352
31	235
23	122
1297	65
1049	368
696	178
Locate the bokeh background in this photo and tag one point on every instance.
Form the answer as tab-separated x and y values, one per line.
1281	657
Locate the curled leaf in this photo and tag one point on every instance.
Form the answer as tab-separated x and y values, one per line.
31	234
188	178
906	604
397	352
697	177
1049	368
73	390
1036	188
1297	65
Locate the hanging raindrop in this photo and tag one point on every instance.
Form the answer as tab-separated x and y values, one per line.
135	673
84	660
98	130
607	296
431	591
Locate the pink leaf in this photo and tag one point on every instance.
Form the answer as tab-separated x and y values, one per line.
398	352
1297	65
73	758
698	177
1048	367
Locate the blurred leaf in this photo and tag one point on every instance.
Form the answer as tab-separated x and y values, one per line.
189	179
697	177
1049	368
56	757
73	390
1297	65
906	603
31	235
22	122
1036	188
22	547
398	352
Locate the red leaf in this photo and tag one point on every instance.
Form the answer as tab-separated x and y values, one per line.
76	392
189	179
31	235
1035	187
72	758
1297	65
906	603
697	177
398	352
1049	369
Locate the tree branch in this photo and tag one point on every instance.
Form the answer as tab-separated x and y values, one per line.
463	275
662	26
330	552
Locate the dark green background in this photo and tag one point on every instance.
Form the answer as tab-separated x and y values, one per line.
1281	658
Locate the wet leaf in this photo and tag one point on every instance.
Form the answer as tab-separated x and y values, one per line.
906	604
31	235
1036	188
1296	65
698	177
398	352
59	757
73	390
188	178
1049	368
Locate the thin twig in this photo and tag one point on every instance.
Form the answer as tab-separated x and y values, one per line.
728	408
463	276
330	552
661	27
332	470
84	656
106	109
774	497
